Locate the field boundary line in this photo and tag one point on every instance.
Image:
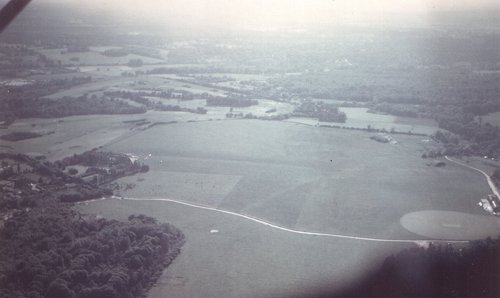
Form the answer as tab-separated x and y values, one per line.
419	242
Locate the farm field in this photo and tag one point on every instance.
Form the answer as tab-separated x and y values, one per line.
65	136
361	118
299	177
69	135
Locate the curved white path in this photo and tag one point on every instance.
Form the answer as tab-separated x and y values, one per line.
274	226
490	182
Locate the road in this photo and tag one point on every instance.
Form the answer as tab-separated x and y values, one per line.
488	178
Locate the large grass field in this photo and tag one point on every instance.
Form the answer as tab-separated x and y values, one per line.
303	177
65	136
244	259
296	176
361	118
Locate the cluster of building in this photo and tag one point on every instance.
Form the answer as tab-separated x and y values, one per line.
491	204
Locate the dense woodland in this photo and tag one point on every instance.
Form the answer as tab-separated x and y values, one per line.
28	101
67	255
456	100
323	111
19	60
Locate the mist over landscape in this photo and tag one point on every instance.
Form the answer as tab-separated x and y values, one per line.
280	148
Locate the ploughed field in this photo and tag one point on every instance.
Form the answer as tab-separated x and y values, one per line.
296	176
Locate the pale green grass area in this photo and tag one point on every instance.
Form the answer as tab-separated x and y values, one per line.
297	176
360	118
67	135
317	179
76	134
207	189
456	225
245	259
304	120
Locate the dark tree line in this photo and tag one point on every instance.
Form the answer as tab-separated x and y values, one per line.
323	111
231	102
139	98
65	255
70	106
484	138
460	117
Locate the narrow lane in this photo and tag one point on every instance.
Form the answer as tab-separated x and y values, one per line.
488	178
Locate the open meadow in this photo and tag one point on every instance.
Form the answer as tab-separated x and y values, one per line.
271	171
361	118
333	186
226	256
66	136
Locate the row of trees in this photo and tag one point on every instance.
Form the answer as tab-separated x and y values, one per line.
70	106
318	109
231	102
152	105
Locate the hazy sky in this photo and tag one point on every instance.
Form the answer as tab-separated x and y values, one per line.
277	13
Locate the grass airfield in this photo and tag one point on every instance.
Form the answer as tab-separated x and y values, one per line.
244	259
301	177
298	177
